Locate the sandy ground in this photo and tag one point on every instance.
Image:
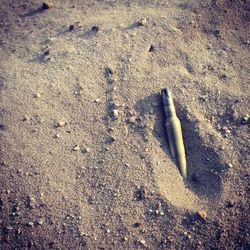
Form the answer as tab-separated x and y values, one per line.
84	158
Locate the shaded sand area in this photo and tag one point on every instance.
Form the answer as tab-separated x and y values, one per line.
84	158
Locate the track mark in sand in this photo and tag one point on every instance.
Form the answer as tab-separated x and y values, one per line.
110	104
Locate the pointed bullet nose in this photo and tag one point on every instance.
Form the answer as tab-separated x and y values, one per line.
166	96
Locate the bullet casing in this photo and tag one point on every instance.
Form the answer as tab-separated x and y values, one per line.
174	132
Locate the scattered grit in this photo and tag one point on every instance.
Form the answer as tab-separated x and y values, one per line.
84	162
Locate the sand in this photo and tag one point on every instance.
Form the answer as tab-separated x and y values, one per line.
84	159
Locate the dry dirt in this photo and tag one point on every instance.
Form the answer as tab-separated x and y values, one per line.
84	158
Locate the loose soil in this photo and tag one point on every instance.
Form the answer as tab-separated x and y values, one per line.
84	161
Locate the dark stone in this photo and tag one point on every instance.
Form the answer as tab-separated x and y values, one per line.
139	24
217	33
46	6
229	204
152	48
95	28
46	53
71	27
2	127
190	68
135	225
140	194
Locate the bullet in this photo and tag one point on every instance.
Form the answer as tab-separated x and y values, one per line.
174	132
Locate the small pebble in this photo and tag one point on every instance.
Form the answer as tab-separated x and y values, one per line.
210	67
95	28
143	242
124	238
108	71
226	130
245	119
47	6
47	52
71	27
111	129
190	68
30	223
40	222
86	150
152	48
26	118
140	194
57	135
76	148
217	33
37	95
142	22
126	130
202	214
223	76
132	119
31	202
97	100
135	225
61	124
115	113
230	204
203	98
112	138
